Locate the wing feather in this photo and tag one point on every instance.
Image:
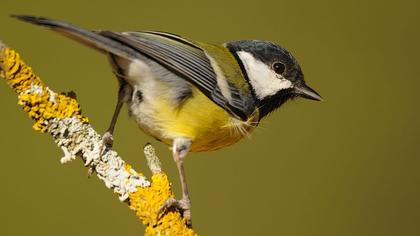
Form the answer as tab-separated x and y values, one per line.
188	60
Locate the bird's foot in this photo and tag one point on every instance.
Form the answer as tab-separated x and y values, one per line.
183	206
107	142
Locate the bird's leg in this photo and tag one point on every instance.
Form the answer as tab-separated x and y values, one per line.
124	91
180	150
123	94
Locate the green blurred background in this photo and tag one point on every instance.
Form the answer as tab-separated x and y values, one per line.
346	166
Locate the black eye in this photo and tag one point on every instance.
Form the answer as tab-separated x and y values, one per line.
279	67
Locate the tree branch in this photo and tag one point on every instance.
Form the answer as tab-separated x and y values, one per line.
60	116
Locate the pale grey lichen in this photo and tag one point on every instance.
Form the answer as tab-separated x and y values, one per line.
76	138
152	160
36	89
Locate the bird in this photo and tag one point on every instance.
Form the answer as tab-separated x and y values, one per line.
192	96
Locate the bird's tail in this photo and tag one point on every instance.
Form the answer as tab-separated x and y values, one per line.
89	38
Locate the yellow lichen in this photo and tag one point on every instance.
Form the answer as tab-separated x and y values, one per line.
146	203
127	167
43	104
17	73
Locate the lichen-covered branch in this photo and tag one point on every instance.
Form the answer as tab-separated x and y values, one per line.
60	116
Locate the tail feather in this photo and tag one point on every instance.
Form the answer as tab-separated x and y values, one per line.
84	36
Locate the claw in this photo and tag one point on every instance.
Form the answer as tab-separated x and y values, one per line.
183	206
107	139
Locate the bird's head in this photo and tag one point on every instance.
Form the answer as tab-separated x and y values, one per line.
272	72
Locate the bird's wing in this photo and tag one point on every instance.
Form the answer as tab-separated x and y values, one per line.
181	56
191	62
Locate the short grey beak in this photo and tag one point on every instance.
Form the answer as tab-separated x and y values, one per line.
306	92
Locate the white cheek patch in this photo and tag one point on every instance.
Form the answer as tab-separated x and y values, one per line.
264	80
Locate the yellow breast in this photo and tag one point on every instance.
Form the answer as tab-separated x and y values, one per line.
198	118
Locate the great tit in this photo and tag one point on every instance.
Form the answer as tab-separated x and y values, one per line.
190	95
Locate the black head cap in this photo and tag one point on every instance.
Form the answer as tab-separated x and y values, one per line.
272	72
